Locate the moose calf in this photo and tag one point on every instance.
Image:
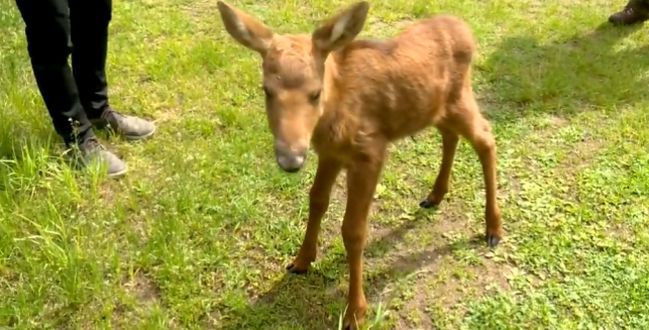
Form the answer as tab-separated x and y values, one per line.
350	99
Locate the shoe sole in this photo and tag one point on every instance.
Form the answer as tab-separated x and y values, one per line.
140	137
117	174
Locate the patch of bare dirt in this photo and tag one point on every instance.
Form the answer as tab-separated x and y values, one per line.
143	289
418	267
579	158
145	293
167	115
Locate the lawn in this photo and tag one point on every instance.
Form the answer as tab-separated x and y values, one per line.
198	233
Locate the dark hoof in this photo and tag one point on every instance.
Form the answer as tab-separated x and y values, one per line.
427	204
492	240
295	270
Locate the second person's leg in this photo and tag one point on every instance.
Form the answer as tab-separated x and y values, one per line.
89	22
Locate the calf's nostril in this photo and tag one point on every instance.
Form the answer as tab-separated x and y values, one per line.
290	163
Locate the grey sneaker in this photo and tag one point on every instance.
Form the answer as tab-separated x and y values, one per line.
93	151
132	128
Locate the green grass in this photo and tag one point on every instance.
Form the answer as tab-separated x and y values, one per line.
198	234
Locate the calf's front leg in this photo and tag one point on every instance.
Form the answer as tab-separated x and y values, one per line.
361	183
325	177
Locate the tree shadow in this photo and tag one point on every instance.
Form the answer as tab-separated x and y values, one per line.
316	300
584	72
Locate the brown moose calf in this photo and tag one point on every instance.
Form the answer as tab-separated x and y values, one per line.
350	99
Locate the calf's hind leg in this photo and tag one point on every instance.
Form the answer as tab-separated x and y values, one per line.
449	145
466	120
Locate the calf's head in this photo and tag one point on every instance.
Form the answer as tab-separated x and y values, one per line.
293	73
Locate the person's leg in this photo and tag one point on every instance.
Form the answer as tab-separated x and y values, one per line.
48	43
635	11
89	21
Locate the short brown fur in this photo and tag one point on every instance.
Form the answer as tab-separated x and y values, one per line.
373	93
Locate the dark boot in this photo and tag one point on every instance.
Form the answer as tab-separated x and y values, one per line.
635	11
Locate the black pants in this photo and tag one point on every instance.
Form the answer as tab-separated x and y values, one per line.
55	29
643	4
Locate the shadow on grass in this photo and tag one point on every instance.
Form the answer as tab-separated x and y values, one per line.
316	300
585	72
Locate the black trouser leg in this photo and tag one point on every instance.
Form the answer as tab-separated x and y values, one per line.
49	46
639	4
89	20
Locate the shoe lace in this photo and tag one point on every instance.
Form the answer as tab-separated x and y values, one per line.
93	144
109	114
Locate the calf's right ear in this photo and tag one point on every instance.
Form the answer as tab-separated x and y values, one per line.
341	28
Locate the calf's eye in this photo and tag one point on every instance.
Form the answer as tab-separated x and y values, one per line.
315	96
